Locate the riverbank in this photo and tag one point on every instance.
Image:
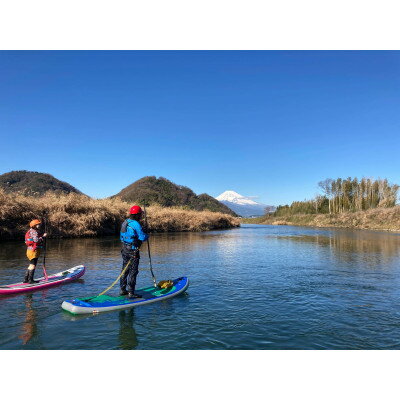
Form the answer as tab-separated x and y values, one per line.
76	215
383	219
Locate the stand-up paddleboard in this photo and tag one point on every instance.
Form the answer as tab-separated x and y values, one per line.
53	280
150	294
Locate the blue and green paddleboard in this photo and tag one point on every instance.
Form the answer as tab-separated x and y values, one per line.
151	294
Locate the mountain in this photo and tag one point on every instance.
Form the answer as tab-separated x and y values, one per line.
152	190
241	205
32	183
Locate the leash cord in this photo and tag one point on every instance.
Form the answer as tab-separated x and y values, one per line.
112	285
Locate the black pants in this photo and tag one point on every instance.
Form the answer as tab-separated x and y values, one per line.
33	261
128	279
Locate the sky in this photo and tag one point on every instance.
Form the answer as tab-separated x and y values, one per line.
268	124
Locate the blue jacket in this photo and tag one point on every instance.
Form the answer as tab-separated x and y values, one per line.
132	233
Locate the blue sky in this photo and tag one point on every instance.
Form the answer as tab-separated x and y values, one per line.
266	123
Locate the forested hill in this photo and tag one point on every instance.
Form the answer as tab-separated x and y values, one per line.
151	190
32	183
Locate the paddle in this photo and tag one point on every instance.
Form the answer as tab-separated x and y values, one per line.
45	248
148	246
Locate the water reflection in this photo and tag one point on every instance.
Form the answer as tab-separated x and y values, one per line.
347	245
101	253
29	326
310	288
127	338
104	250
168	243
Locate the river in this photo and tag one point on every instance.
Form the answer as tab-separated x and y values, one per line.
255	287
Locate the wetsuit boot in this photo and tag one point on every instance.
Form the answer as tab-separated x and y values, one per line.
30	278
134	296
26	279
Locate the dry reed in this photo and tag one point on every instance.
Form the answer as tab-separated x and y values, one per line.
75	215
385	219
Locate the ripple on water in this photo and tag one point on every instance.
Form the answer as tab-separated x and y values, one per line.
258	287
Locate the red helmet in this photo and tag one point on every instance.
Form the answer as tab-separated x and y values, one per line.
135	210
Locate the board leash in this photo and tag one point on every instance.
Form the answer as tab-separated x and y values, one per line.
119	276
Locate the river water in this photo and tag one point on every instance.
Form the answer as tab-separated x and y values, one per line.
255	287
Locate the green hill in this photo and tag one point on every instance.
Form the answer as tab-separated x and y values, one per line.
151	190
33	183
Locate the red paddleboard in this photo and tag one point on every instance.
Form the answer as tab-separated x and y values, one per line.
53	280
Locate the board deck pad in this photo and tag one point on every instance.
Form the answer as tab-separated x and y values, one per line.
146	293
85	305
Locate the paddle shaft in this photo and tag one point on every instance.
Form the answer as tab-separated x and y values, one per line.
44	250
148	247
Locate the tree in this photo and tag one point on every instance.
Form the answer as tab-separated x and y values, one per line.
269	210
326	187
343	195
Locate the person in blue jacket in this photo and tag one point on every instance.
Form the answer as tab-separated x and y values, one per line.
132	236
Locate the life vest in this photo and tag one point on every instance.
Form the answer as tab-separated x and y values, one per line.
130	236
30	242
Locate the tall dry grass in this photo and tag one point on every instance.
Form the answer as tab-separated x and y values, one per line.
76	215
386	219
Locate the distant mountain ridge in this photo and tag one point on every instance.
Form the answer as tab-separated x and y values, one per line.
32	183
151	190
241	205
148	190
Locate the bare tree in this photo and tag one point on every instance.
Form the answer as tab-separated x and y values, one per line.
326	187
269	210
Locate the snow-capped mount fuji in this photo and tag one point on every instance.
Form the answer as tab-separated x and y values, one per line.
241	205
236	198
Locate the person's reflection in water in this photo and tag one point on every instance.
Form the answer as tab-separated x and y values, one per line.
127	335
29	327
